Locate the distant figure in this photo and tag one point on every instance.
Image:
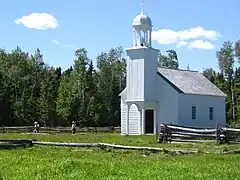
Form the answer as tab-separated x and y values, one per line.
74	127
36	127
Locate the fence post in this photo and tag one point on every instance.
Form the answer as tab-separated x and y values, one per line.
162	135
222	138
165	133
217	133
157	133
169	135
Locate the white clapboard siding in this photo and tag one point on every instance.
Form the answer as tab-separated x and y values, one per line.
134	119
123	117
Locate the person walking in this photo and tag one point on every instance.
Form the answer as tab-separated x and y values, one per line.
36	127
74	127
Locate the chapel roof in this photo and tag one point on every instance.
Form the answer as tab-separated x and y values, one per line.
189	82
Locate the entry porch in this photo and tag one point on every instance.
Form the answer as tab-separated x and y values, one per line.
142	114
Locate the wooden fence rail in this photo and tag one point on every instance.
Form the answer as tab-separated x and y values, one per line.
60	129
16	143
173	133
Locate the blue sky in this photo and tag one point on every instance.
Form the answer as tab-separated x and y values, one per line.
194	28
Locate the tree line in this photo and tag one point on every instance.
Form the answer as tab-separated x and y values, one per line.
31	90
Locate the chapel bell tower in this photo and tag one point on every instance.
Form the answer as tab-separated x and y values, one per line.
142	61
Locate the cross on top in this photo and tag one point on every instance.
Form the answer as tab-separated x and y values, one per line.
141	6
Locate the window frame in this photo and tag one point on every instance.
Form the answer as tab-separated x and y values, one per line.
210	110
194	112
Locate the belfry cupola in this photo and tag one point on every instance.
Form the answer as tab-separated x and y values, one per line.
142	30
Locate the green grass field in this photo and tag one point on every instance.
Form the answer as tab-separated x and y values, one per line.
46	162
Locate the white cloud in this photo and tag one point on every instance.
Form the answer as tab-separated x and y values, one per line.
62	44
181	44
181	38
40	21
200	44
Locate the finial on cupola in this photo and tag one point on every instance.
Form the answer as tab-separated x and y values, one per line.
142	6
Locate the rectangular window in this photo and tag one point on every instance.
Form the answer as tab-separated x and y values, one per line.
211	113
193	112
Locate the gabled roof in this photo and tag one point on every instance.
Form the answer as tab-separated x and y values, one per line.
189	82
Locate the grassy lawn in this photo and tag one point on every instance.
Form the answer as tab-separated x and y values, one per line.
46	162
71	163
116	138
